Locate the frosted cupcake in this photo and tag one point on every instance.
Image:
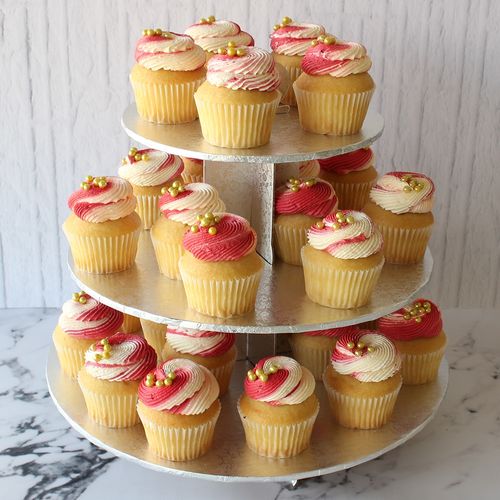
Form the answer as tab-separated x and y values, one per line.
103	228
334	90
238	101
343	260
352	175
213	350
308	169
154	333
83	321
169	69
178	407
149	171
212	34
314	349
400	205
110	378
220	269
180	207
193	170
278	408
363	380
289	43
299	204
131	324
417	332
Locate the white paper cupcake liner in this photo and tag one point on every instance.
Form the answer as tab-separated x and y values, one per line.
167	257
316	360
71	360
189	178
147	208
405	245
335	114
288	242
131	324
154	333
278	440
293	73
422	368
352	196
223	375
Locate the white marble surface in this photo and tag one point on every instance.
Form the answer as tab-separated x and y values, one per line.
456	457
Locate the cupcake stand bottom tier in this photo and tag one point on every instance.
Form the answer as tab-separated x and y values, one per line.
333	448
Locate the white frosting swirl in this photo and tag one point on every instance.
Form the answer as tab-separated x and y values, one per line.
199	342
295	38
213	36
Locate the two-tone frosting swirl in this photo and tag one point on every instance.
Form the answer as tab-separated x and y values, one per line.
197	198
233	240
99	204
88	319
308	169
211	36
285	382
421	319
314	197
169	51
346	234
295	38
156	169
120	358
365	355
338	60
190	389
253	71
355	161
199	342
333	332
404	192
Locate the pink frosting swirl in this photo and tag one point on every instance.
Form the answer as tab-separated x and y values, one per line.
295	38
85	318
99	204
199	342
253	71
337	60
234	239
314	197
120	358
354	161
185	388
333	332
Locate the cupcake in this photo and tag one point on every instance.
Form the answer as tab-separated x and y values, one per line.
179	407
169	69
110	378
83	321
180	207
400	205
363	380
193	170
103	228
334	90
308	169
352	175
131	324
289	43
213	350
220	269
238	101
343	260
212	35
314	349
417	332
154	333
299	204
278	408
149	171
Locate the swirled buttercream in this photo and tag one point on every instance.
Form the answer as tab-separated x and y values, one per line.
199	342
354	161
333	332
295	38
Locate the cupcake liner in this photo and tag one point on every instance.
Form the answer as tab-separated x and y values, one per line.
352	196
130	324
147	208
167	257
189	178
288	242
167	103
222	299
422	368
71	360
223	375
154	333
179	443
328	113
316	360
361	412
293	73
236	125
278	440
404	245
342	289
104	254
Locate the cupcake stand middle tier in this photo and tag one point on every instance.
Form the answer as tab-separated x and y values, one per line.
246	180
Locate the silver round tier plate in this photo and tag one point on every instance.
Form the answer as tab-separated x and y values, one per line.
333	448
186	140
282	304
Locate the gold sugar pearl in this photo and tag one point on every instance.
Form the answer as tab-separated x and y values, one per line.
406	316
321	38
231	44
168	381
295	189
221	51
231	51
418	319
310	182
132	151
176	184
102	183
144	157
273	368
314	43
97	356
164	189
241	52
336	225
150	376
105	342
194	228
418	187
137	157
350	345
84	186
173	192
209	215
329	40
350	219
320	224
216	219
158	32
407	189
211	19
276	27
203	20
89	178
259	371
286	20
264	377
149	382
360	345
124	161
106	348
159	383
204	223
82	299
212	231
76	296
251	375
199	217
358	353
171	375
370	348
106	354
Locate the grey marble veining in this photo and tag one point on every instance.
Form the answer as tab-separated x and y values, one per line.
456	457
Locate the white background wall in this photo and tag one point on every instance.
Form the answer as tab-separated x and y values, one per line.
64	85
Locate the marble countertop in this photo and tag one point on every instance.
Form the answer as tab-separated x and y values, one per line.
456	456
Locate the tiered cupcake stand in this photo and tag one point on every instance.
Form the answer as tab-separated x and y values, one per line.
245	180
